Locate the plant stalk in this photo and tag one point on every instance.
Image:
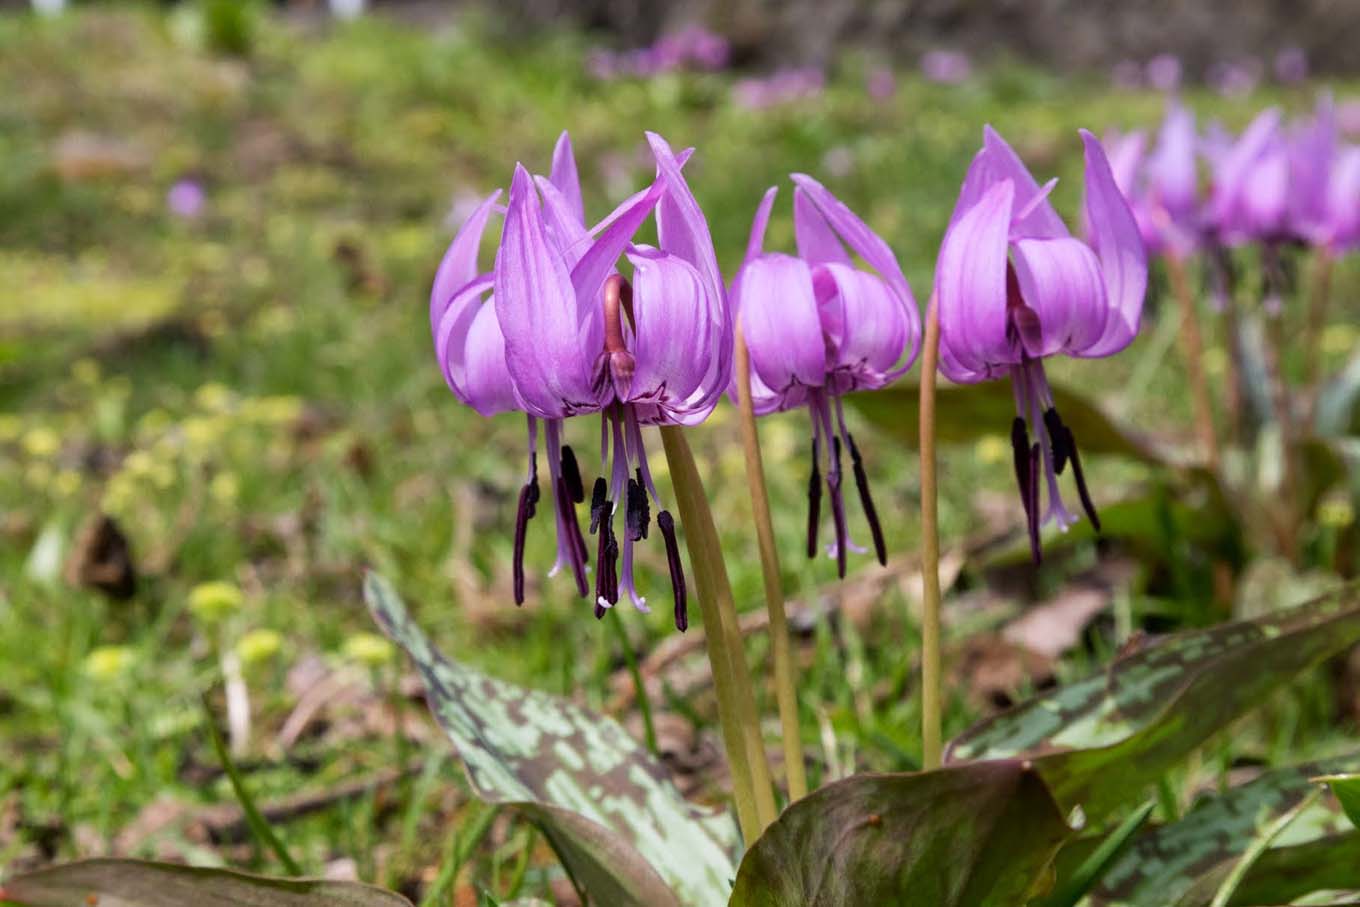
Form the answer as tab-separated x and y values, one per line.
1192	347
780	648
1317	316
615	619
930	550
751	784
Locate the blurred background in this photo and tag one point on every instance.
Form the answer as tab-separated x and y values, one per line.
218	403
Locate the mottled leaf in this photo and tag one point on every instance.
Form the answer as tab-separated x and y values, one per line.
965	413
607	807
1347	790
979	835
1074	885
1098	742
1185	862
135	883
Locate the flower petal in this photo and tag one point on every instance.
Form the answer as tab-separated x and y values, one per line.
538	313
1233	170
565	178
970	287
487	380
756	242
670	328
1172	175
459	264
774	300
864	323
1061	284
1119	248
997	162
566	231
450	334
817	242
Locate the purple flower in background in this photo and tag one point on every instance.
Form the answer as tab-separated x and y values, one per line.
1250	199
780	87
693	47
1291	65
186	199
1162	188
1348	117
881	83
1013	286
1324	183
1127	75
819	327
947	67
580	339
1164	72
1235	79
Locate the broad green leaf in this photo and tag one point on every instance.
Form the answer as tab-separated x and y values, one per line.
965	413
1076	884
1185	862
135	883
607	806
1347	790
1098	742
979	835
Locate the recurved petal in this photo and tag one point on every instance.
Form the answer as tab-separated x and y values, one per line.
451	332
970	285
773	297
681	226
1119	249
486	378
1235	163
565	178
538	312
817	242
1343	201
755	244
1172	174
998	162
670	345
459	264
1064	295
1265	194
864	321
566	231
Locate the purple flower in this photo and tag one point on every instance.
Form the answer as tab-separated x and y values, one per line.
881	83
1013	286
1127	75
1291	65
567	335
780	87
1164	72
1250	199
1235	80
948	67
1162	188
819	327
186	199
1324	182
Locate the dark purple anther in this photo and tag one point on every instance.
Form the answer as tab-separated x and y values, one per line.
666	523
1086	502
606	564
572	473
576	543
838	508
814	501
636	512
598	503
867	502
528	499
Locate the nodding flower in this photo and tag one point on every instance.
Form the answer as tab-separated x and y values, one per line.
819	327
1162	187
563	333
1014	286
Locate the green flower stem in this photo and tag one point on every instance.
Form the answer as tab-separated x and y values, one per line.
1317	315
615	620
1192	347
930	550
785	693
751	785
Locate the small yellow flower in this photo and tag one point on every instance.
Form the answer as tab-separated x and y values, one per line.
259	646
108	663
213	602
138	463
368	649
10	426
224	488
1339	339
67	483
213	396
991	449
1215	362
41	442
38	475
1336	511
154	422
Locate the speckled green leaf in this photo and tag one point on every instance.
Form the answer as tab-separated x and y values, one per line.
965	413
1100	741
607	807
1347	790
136	883
980	835
1183	863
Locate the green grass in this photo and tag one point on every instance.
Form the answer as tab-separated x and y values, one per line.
253	396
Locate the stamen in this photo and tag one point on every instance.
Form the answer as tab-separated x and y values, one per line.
618	295
814	499
1033	507
833	482
867	502
636	513
1086	503
1058	436
575	541
523	513
598	504
1025	477
606	565
572	473
666	523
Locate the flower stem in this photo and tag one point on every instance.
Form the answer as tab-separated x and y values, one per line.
1317	315
751	785
785	693
930	550
1192	347
615	620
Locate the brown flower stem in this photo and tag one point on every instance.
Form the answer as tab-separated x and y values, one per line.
1281	401
1192	347
930	550
751	783
785	693
1317	315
